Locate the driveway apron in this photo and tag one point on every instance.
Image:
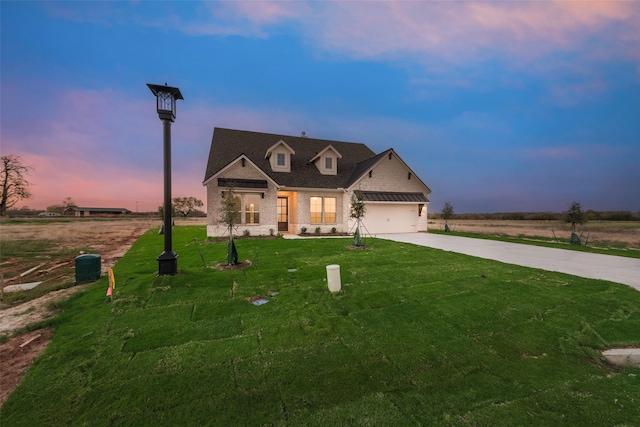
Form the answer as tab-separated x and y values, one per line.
593	266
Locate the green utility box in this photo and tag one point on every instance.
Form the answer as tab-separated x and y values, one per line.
88	268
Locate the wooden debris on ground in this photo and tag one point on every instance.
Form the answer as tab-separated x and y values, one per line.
31	270
30	340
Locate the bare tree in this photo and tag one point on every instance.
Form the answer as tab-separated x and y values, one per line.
62	207
15	186
186	205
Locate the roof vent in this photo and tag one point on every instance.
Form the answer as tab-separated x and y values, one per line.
303	134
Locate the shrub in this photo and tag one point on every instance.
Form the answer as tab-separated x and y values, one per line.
246	233
334	230
303	230
575	215
271	232
318	230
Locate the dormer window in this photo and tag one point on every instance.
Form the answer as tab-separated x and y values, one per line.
279	155
328	163
327	160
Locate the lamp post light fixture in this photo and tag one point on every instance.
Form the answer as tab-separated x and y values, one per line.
166	97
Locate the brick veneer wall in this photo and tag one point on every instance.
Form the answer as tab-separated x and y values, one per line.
391	175
268	219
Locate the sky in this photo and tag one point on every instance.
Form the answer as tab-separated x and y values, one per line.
498	106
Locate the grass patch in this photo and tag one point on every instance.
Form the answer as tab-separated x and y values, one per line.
416	337
614	249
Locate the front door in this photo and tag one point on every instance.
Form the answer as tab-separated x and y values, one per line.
283	214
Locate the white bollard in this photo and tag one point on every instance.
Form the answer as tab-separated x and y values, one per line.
333	277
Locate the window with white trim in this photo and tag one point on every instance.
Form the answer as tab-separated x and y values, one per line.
246	208
251	208
322	210
328	163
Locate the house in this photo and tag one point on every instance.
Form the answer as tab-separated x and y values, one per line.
80	211
49	214
284	183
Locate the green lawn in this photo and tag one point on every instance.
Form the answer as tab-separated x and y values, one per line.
417	336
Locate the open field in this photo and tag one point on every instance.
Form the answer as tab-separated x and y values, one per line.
51	245
599	234
417	336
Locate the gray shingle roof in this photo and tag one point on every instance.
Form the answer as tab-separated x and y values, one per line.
362	167
229	144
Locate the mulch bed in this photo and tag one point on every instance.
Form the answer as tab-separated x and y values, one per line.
238	266
358	248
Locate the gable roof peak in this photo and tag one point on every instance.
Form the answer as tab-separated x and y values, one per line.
276	145
324	150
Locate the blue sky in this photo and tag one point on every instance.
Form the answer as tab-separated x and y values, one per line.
498	106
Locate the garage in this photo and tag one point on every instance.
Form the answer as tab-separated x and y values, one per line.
390	218
391	212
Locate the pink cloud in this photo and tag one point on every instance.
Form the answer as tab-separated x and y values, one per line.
574	93
577	152
457	31
242	18
269	12
102	148
116	187
555	153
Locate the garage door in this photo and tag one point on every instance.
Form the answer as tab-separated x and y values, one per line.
390	218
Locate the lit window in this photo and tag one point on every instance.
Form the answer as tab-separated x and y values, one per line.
328	163
329	209
323	210
316	210
251	208
244	208
280	159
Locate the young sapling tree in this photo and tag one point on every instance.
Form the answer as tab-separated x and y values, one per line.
447	214
358	210
230	215
575	215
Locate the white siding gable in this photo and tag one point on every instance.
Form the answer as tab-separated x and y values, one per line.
327	160
279	156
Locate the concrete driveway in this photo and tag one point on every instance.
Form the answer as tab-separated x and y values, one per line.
593	266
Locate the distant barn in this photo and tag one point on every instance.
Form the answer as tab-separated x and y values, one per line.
49	214
80	211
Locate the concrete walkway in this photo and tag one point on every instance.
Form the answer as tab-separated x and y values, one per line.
593	266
